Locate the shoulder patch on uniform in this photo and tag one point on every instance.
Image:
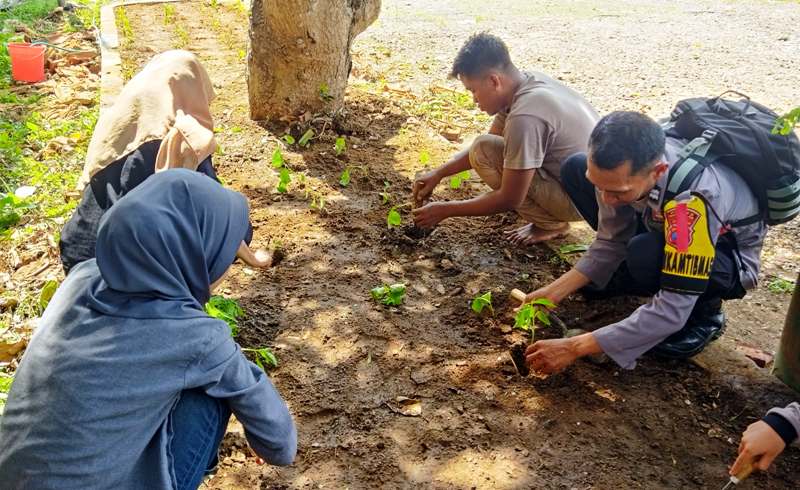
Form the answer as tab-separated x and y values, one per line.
688	249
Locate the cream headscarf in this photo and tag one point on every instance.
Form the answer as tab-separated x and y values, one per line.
168	100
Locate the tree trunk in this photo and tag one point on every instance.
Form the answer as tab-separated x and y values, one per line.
787	360
299	56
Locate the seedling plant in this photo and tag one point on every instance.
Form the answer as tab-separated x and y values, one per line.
392	295
340	146
265	358
531	314
482	302
229	311
458	179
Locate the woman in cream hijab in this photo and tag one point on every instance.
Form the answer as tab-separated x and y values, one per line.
160	120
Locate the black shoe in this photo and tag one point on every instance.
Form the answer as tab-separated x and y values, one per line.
705	324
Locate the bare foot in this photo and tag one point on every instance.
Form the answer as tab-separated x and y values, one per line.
530	234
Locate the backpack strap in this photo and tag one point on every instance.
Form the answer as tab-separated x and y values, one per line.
691	162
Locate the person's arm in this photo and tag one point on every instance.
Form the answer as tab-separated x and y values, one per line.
764	440
259	258
225	373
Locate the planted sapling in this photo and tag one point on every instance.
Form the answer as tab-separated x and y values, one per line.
537	311
457	179
227	310
285	179
394	218
424	158
265	358
306	138
277	158
344	179
392	295
340	146
483	302
385	196
288	139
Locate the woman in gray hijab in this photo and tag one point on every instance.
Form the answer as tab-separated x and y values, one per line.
127	383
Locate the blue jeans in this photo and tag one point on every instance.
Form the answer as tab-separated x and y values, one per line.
196	426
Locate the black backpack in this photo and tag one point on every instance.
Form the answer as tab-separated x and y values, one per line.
738	134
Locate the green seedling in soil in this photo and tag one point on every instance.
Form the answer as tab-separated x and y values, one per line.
780	285
424	157
385	196
46	294
394	218
340	146
572	248
265	359
285	179
288	139
457	179
277	158
183	37
537	311
306	138
482	302
392	295
227	310
242	54
169	14
325	92
317	200
344	179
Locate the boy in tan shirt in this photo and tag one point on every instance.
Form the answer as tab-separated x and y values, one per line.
538	123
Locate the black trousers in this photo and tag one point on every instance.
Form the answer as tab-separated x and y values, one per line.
640	273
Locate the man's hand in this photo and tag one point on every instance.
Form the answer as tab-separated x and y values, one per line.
424	185
430	215
760	446
550	356
543	292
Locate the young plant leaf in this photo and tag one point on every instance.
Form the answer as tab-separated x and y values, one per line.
457	179
573	248
379	292
277	158
395	295
424	157
288	139
265	358
479	303
340	145
385	196
306	138
394	218
285	178
227	310
344	179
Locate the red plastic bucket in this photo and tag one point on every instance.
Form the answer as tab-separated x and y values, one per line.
27	61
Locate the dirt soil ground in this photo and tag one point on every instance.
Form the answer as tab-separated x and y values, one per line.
345	359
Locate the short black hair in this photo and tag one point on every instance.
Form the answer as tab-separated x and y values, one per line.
626	136
481	52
